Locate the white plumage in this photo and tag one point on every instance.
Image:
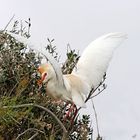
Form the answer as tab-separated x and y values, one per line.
94	61
89	71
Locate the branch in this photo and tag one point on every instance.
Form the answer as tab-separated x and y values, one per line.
13	89
9	22
13	119
29	129
55	117
93	90
33	136
98	93
96	118
45	109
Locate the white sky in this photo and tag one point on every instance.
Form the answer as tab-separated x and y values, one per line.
79	22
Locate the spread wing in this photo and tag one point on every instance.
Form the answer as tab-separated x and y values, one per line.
94	61
47	55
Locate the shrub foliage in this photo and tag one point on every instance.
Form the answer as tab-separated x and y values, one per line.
26	111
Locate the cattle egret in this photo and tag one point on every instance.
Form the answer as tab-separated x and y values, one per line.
89	71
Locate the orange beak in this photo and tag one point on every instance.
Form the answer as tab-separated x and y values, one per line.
42	79
41	70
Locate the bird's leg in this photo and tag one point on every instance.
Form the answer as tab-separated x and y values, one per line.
71	114
65	108
68	113
75	113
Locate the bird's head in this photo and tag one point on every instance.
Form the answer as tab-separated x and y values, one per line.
47	73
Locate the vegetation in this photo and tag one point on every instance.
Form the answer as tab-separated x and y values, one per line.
26	111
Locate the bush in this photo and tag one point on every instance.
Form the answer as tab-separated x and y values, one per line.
26	111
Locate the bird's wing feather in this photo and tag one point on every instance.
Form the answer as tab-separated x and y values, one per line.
94	61
47	55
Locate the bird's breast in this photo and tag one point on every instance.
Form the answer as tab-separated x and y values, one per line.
56	91
75	83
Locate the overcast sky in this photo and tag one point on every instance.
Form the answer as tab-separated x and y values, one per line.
79	22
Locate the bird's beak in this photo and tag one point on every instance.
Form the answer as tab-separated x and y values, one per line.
42	79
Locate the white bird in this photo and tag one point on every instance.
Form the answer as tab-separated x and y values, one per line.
89	71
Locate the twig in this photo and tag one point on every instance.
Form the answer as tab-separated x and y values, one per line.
21	28
98	93
93	90
96	118
33	136
13	119
13	89
55	117
43	108
9	22
29	129
29	25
